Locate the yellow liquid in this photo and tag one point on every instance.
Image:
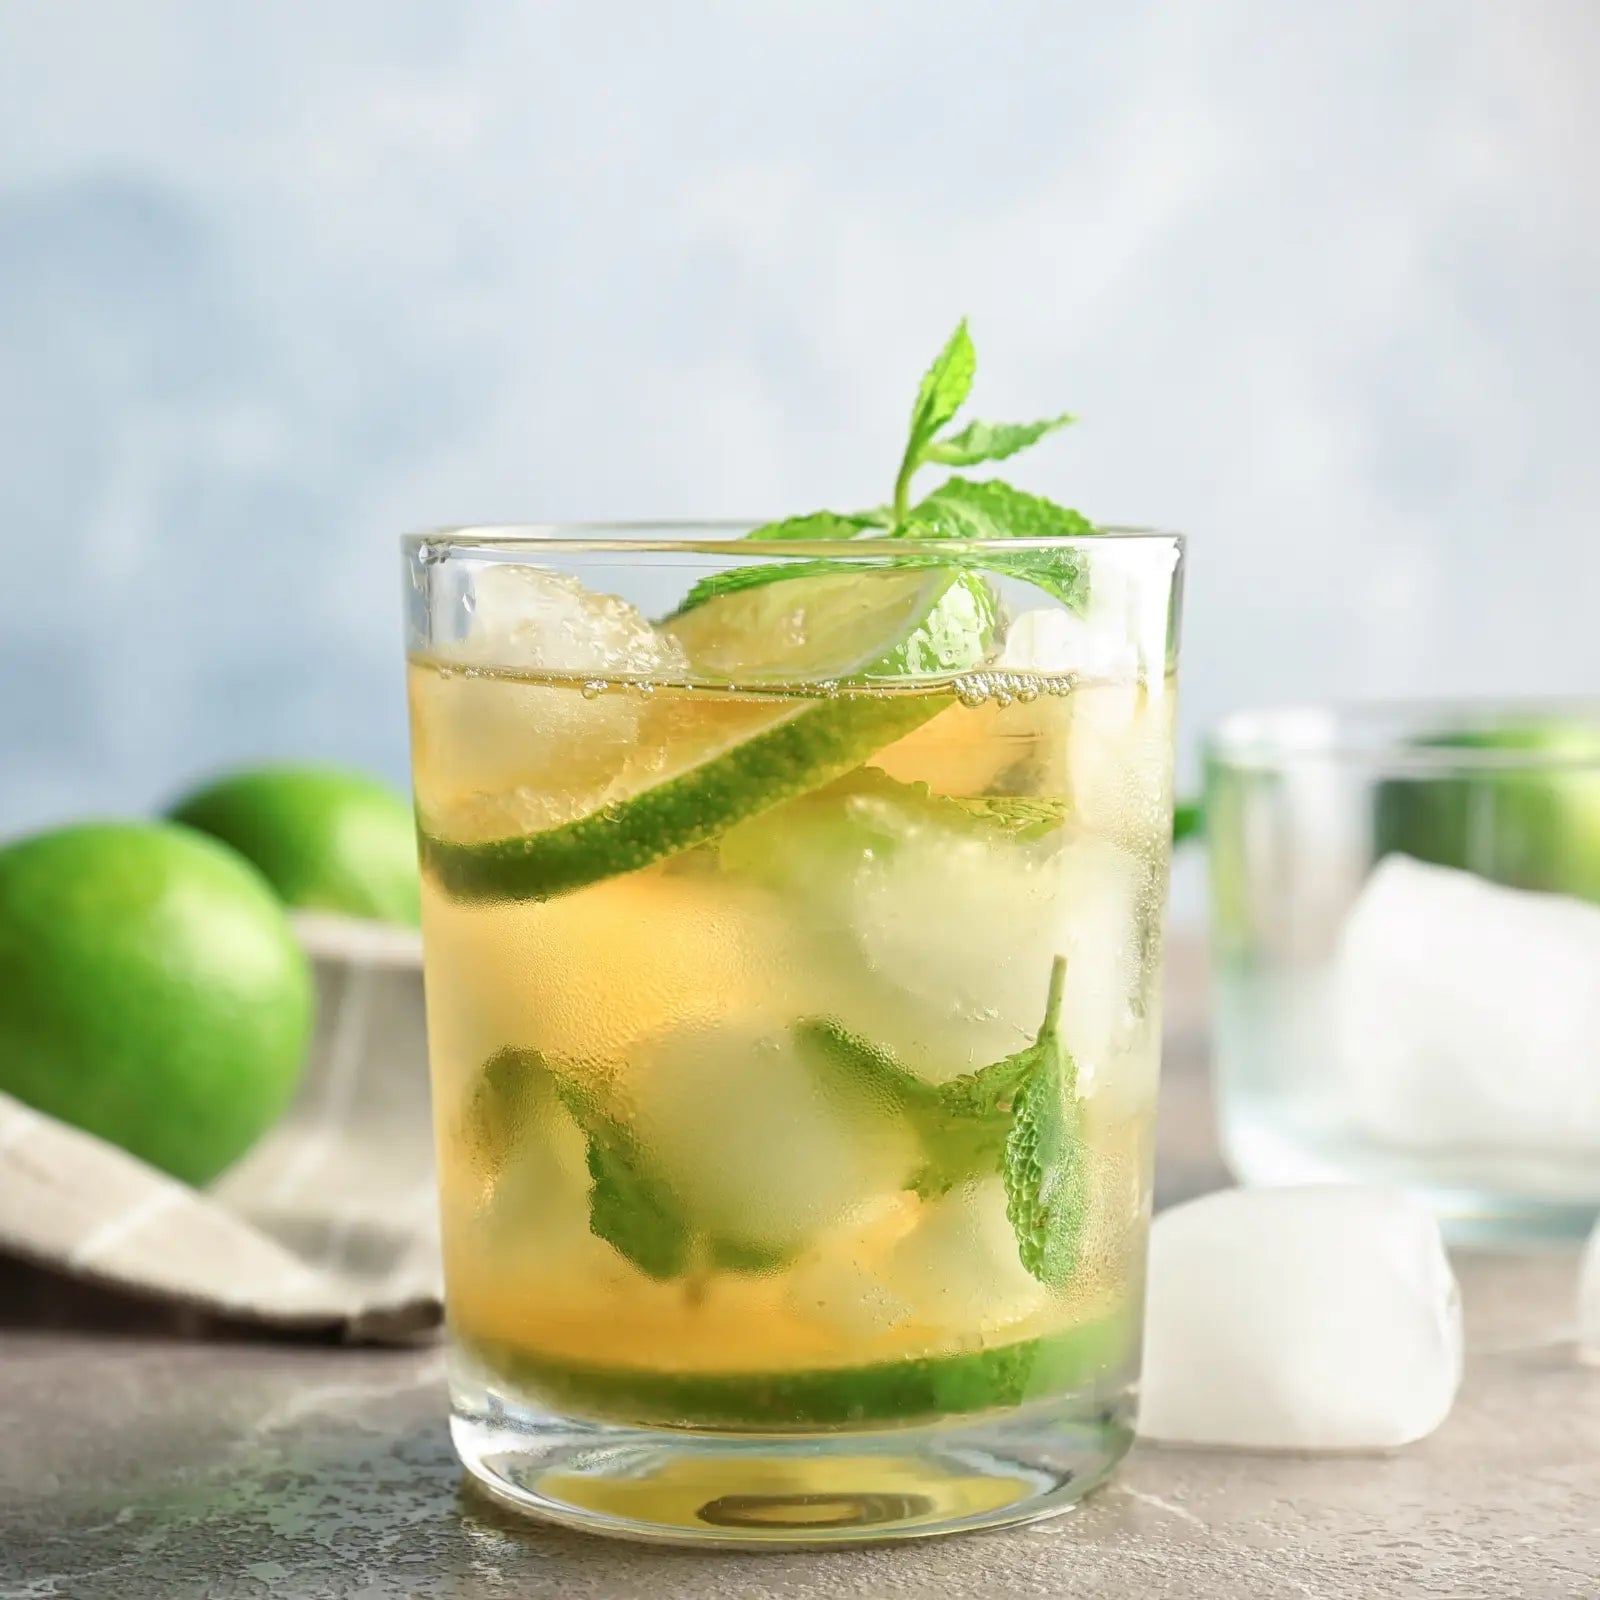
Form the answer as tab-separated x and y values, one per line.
670	995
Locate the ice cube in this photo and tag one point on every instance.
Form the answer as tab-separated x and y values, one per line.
1054	640
1468	1013
967	929
527	617
960	1268
949	1265
1317	1318
1589	1300
747	1134
498	755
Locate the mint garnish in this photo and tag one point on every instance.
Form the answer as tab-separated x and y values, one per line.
960	509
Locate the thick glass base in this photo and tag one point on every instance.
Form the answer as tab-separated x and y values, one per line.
747	1491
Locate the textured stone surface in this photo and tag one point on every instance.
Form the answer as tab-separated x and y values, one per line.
138	1464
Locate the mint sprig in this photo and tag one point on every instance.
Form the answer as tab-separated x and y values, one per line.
958	510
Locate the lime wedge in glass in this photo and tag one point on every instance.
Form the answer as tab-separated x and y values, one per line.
879	644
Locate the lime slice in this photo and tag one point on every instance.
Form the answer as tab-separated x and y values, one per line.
887	1392
853	630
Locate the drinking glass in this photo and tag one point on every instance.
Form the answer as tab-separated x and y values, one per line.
1406	909
792	927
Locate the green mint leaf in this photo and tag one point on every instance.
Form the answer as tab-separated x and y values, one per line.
1022	817
848	1065
503	1098
965	508
967	1137
962	509
991	441
630	1208
945	386
817	525
1046	1183
962	1126
744	1255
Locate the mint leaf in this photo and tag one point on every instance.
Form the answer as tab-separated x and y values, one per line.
1046	1184
991	441
945	386
817	525
958	511
962	1126
504	1096
744	1255
630	1208
847	1064
962	509
1021	816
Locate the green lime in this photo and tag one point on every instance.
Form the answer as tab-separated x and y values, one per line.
1534	825
919	1390
326	838
857	629
151	991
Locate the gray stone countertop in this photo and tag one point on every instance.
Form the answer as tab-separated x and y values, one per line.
136	1461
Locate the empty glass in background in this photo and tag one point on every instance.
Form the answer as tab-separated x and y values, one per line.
1406	912
794	1130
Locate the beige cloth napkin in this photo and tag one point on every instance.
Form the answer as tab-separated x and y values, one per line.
329	1224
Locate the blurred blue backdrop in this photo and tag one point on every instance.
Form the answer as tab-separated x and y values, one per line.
280	282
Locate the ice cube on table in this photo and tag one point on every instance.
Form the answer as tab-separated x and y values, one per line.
1317	1318
1589	1300
1469	1013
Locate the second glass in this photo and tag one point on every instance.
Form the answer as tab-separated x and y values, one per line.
793	972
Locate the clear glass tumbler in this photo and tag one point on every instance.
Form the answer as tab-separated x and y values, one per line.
1406	912
792	925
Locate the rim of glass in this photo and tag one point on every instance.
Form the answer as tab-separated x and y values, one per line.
679	538
1379	735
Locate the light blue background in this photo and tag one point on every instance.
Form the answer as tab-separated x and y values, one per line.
278	282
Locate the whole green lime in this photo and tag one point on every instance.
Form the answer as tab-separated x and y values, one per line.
1533	822
151	991
328	839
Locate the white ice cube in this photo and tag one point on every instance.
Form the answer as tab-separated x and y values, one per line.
745	1132
1319	1318
959	1266
1469	1014
968	931
1589	1300
527	617
499	754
